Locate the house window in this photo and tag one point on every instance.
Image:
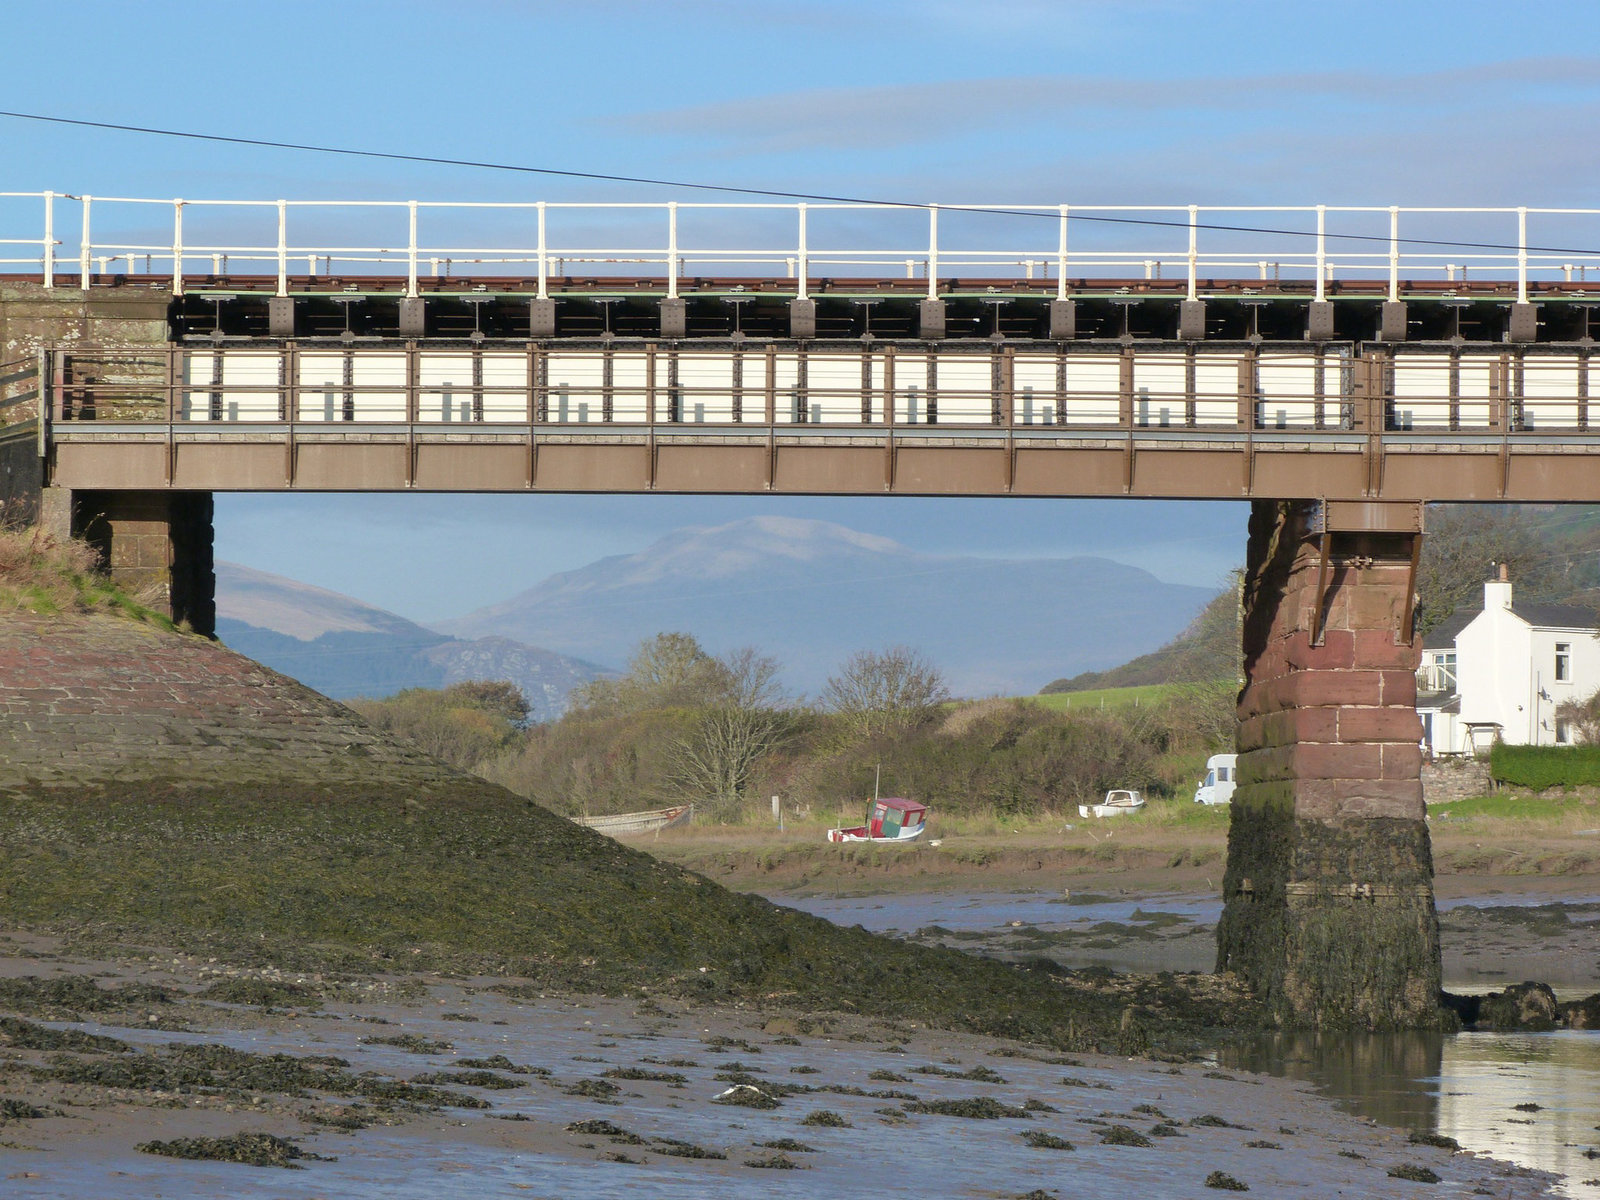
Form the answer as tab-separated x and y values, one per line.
1563	662
1563	732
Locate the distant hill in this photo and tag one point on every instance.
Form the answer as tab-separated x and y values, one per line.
810	593
1207	650
344	648
1551	551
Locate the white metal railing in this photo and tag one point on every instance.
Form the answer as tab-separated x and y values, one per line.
1318	243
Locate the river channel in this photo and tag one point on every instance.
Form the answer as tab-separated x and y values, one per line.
1531	1099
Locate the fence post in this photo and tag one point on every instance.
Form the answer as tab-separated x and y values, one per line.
1322	252
1194	251
544	260
411	251
1522	256
49	260
83	247
177	247
1061	258
283	247
672	250
804	254
1394	254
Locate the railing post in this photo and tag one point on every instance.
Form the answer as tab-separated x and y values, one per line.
283	247
1194	251
83	247
49	259
544	259
803	254
177	247
672	250
1394	254
1522	256
1322	252
1061	258
411	251
933	252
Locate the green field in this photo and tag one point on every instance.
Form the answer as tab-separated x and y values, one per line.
1124	697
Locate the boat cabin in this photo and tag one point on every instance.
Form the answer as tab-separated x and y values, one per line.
893	817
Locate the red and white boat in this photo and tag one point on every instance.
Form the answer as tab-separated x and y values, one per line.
891	819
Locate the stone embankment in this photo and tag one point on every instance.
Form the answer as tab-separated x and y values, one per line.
1446	780
88	699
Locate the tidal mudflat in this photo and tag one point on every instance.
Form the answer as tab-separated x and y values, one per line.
413	1085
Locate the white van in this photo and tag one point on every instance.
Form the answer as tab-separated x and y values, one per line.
1222	771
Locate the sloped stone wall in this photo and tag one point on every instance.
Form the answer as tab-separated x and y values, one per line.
100	698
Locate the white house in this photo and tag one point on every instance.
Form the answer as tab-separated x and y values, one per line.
1501	674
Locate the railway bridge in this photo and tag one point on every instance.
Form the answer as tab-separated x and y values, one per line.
1336	367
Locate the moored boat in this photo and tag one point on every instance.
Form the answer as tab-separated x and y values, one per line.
891	819
651	821
1118	802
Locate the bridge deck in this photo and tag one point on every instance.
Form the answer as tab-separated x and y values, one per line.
1221	421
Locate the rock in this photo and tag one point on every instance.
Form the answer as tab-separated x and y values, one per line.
1530	1007
1582	1014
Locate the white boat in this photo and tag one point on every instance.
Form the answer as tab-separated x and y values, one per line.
652	821
1118	802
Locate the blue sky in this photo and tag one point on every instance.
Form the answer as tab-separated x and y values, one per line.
1096	101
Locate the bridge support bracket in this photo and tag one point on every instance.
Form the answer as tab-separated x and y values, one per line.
802	319
930	319
1319	321
1523	326
1192	321
675	318
1063	320
280	316
413	317
1392	321
541	318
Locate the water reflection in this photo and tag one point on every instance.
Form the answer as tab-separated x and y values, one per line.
1467	1086
1373	1074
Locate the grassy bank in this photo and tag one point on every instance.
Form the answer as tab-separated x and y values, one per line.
1173	845
470	879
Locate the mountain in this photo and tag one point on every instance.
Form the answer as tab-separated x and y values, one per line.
344	648
809	593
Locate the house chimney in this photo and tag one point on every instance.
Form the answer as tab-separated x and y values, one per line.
1497	592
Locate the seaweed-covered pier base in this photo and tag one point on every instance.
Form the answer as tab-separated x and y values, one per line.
1328	892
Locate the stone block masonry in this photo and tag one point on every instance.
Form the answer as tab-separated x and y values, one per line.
1328	893
98	699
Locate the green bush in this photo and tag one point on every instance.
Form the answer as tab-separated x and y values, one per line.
1541	767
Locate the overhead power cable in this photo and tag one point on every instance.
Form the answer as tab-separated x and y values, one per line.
774	193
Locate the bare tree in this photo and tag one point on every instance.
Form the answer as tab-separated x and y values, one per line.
878	692
715	763
666	671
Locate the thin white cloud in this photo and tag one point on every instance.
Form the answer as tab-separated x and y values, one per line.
860	117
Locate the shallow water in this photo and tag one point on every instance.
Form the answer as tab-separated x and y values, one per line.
1466	1086
1463	1086
473	1154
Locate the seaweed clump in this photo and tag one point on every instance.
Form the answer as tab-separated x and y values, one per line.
1040	1139
1414	1173
251	1149
777	1161
1222	1181
981	1108
1122	1135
